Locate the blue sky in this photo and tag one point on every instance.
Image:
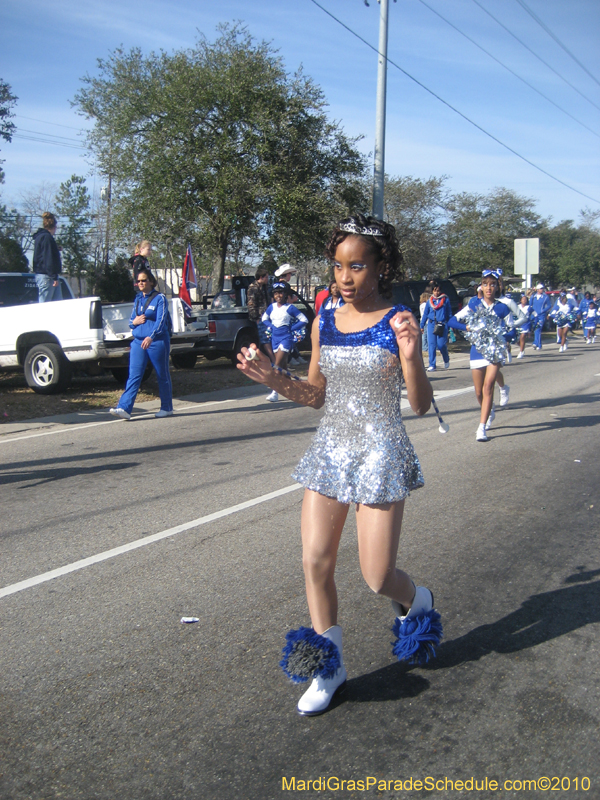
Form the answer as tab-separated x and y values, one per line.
46	48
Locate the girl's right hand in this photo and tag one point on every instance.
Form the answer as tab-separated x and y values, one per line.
139	320
257	368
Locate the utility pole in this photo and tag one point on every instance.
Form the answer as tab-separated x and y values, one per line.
379	166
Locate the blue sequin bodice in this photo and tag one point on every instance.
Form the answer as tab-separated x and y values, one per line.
361	452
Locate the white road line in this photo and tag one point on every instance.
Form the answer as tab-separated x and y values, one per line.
155	537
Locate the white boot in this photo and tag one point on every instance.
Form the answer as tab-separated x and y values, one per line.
320	693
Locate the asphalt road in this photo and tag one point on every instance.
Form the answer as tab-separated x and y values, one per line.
105	694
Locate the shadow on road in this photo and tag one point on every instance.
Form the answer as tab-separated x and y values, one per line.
540	618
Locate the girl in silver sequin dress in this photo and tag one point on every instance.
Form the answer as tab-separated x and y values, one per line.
360	454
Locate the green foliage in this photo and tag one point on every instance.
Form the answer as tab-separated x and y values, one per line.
12	257
217	145
481	230
7	128
417	209
73	210
115	284
569	255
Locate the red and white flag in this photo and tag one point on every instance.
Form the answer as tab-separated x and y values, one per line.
188	279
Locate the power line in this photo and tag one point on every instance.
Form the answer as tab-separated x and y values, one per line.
526	46
47	122
556	39
48	141
512	72
452	108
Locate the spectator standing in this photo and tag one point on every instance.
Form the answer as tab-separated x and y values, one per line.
150	324
334	300
139	260
46	259
435	317
258	301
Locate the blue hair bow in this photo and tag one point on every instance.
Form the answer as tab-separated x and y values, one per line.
495	273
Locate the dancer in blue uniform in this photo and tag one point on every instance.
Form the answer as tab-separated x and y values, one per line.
563	314
589	323
150	324
282	319
540	306
435	318
483	371
525	311
361	454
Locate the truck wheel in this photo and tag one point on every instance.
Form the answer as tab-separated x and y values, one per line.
121	374
47	370
184	360
245	339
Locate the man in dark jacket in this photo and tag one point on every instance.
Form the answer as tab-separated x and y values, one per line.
46	260
258	300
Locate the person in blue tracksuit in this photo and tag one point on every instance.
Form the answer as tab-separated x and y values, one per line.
150	324
437	311
540	306
484	373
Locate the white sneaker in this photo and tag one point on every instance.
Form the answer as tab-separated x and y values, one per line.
521	354
565	347
560	349
491	418
430	369
504	392
119	412
320	693
481	435
593	340
446	364
273	397
162	413
293	362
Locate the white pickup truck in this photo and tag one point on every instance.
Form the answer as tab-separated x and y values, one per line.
47	340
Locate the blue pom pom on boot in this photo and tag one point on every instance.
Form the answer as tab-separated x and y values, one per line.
418	632
308	654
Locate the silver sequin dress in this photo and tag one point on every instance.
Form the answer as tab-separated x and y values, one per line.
361	452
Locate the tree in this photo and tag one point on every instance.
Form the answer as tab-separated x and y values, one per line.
7	128
218	144
481	229
73	210
570	255
12	257
417	209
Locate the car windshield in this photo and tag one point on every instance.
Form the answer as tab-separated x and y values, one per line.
224	300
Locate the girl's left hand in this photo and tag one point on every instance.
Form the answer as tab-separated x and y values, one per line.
408	334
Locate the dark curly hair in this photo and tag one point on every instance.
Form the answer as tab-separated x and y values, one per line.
384	247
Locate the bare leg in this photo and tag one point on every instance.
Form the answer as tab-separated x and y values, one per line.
522	338
500	379
378	536
484	379
281	359
322	523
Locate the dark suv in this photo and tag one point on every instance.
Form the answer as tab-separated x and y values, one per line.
409	292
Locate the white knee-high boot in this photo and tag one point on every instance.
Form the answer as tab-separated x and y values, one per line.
318	696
